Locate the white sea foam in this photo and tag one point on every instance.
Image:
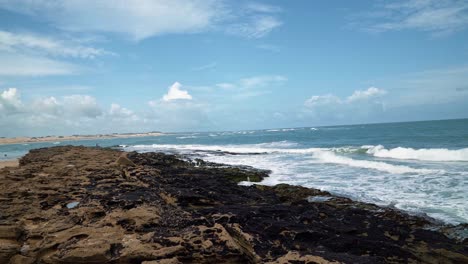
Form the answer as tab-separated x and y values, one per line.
433	154
330	157
323	155
415	186
186	137
265	148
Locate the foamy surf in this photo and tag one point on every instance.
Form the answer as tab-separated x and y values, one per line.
330	157
324	155
419	180
434	154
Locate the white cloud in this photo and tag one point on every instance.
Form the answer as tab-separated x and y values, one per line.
148	18
82	114
318	100
357	96
359	105
49	105
76	106
13	64
52	115
82	105
117	111
139	20
25	54
366	94
10	101
18	117
175	93
25	42
437	16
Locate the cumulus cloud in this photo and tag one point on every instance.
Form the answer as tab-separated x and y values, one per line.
118	111
47	114
65	114
372	92
149	18
82	105
175	93
48	105
10	101
72	106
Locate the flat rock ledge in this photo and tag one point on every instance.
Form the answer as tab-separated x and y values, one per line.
92	205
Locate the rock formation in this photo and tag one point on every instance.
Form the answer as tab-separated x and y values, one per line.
93	205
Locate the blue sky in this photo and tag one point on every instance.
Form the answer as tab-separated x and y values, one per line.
83	66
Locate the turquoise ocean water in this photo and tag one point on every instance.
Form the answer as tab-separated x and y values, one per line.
420	167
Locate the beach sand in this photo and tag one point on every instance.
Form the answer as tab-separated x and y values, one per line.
8	163
22	140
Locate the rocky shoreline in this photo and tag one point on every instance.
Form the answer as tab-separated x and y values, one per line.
94	205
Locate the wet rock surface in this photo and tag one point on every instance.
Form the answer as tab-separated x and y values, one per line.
91	205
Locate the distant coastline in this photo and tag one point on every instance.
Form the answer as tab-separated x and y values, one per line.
23	140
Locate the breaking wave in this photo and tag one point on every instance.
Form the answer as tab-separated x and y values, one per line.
321	155
330	157
432	154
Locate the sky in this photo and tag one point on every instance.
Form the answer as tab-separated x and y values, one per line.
87	67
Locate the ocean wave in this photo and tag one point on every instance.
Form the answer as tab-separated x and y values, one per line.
186	137
331	157
282	130
323	155
261	148
433	154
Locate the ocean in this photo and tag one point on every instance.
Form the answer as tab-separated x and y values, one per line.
418	167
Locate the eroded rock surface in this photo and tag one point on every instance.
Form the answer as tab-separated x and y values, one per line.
156	208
